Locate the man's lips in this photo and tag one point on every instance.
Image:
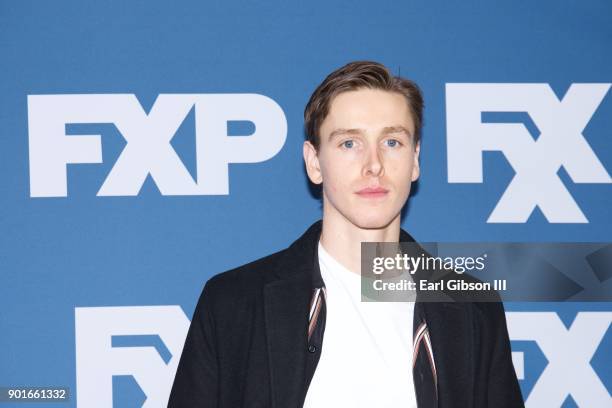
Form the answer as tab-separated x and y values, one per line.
372	192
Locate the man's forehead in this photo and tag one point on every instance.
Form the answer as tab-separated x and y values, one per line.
348	109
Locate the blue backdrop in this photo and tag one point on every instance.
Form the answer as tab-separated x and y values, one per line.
89	284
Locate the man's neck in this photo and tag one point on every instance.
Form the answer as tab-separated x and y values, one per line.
342	239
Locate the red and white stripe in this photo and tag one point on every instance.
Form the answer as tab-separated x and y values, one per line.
318	297
422	337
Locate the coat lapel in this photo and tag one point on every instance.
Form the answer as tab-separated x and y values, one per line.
450	330
286	308
424	371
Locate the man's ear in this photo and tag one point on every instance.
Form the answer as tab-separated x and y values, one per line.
416	170
311	160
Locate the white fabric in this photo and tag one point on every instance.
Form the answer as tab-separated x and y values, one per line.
366	358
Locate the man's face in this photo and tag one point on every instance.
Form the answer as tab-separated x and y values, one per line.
367	158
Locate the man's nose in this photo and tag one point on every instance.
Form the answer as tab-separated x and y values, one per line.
373	165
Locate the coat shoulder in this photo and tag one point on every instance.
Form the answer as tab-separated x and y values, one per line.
245	278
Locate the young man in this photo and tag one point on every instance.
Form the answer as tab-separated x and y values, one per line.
289	330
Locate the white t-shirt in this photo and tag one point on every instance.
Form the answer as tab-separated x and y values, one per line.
366	356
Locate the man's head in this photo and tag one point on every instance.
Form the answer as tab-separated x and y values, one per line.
363	128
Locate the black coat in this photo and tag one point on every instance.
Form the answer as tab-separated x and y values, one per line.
247	345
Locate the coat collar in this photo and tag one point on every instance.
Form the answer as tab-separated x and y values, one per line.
301	258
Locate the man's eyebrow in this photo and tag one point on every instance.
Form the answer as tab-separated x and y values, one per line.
342	131
396	129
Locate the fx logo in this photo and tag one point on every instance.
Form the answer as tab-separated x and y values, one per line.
98	359
535	162
569	352
148	149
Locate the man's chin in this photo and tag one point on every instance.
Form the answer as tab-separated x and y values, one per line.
373	222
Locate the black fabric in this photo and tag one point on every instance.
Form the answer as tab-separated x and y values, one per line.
247	345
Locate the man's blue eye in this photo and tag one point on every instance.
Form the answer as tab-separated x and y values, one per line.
348	144
392	142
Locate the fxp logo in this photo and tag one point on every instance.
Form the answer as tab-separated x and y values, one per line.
148	135
536	162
